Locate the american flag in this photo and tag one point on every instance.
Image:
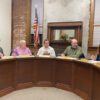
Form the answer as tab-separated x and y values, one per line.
36	29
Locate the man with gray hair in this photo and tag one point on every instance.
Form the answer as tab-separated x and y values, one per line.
74	50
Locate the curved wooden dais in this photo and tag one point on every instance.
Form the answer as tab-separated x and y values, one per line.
79	77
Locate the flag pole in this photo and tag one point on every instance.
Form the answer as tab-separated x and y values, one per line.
36	31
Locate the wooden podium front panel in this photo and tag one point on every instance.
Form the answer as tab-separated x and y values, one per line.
64	72
24	72
83	79
7	76
96	84
44	71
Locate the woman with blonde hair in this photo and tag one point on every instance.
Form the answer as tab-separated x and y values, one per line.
22	49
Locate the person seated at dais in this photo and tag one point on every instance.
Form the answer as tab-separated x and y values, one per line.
1	52
74	50
22	49
98	55
46	50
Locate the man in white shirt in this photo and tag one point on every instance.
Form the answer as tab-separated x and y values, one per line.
46	50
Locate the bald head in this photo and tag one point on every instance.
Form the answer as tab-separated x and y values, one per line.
74	43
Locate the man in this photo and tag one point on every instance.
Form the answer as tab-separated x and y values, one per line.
74	50
22	49
46	50
1	52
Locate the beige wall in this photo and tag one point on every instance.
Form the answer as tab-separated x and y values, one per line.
5	25
68	10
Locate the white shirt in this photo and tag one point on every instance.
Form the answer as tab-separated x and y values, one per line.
48	50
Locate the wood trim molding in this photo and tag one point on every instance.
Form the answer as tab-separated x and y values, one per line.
28	21
91	23
12	24
97	25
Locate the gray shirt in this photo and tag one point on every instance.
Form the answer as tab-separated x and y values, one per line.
1	50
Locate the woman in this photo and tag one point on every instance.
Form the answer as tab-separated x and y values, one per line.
22	49
98	55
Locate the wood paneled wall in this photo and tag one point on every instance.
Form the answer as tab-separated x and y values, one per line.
21	16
